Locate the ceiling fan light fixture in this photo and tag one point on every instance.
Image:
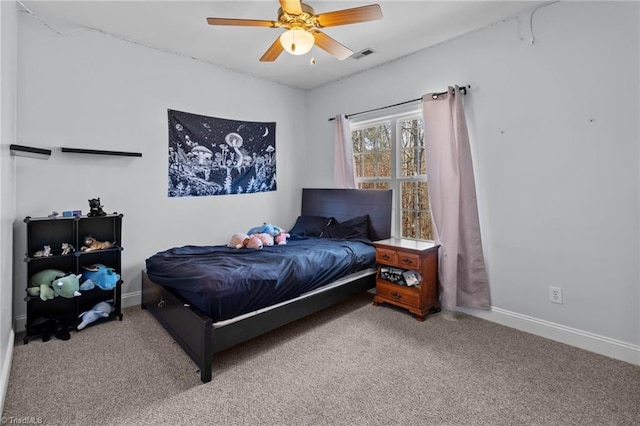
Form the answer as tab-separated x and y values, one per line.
297	41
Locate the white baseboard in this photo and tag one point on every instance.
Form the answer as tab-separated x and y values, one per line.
128	300
6	368
131	299
571	336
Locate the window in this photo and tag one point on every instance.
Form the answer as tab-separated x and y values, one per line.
389	154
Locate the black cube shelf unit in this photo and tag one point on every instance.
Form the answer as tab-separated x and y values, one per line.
64	312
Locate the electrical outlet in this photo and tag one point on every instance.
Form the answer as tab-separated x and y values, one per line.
555	295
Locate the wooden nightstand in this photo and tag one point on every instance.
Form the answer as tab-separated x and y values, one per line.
421	256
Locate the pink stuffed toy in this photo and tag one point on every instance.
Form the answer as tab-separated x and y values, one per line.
267	240
281	238
240	240
253	242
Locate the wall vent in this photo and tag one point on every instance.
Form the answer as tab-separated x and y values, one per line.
363	53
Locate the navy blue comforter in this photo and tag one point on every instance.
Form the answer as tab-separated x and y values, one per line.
225	282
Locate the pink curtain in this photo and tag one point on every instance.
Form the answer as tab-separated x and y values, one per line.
462	273
343	170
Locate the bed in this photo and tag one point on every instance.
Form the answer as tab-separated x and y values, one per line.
204	324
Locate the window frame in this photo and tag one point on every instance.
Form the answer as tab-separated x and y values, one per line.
394	117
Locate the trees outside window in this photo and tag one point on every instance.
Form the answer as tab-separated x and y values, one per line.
389	154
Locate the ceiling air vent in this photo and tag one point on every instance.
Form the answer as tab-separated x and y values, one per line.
363	53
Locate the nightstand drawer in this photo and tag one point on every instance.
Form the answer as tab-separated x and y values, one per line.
386	257
405	295
400	259
408	260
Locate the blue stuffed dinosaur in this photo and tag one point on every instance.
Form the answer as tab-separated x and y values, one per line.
100	310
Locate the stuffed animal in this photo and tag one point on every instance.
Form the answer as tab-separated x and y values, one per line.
238	240
45	252
100	310
267	239
67	248
40	283
279	234
87	285
91	244
266	228
95	208
281	238
99	275
254	243
241	240
67	287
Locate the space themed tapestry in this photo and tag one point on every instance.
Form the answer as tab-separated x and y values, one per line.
216	156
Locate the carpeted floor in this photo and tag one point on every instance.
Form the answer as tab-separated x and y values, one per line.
352	364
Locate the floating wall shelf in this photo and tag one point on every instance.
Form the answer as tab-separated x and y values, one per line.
29	151
100	152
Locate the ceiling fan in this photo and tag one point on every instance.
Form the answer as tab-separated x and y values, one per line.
302	25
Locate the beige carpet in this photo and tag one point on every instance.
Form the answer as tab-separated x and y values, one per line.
353	364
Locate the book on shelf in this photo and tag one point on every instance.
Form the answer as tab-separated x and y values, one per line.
392	274
412	277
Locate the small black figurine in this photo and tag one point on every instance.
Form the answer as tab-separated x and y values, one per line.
95	208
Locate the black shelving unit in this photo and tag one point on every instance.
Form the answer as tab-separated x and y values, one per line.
61	313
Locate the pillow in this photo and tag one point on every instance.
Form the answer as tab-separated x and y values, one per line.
310	226
357	227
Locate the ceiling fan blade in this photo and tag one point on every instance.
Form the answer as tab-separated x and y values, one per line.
240	22
330	45
292	7
272	52
349	16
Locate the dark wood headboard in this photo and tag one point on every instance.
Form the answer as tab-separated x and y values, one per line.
344	204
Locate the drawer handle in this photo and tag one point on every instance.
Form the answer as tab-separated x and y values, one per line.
407	261
396	295
161	303
386	256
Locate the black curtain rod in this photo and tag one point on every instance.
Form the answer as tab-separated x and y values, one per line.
463	89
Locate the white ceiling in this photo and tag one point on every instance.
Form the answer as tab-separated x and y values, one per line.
180	27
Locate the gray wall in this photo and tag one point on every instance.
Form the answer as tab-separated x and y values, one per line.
554	133
8	53
89	90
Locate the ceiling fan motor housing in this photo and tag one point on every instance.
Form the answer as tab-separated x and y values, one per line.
306	20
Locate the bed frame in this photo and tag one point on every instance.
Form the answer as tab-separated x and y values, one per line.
195	332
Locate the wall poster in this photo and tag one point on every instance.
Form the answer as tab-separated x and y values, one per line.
216	156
